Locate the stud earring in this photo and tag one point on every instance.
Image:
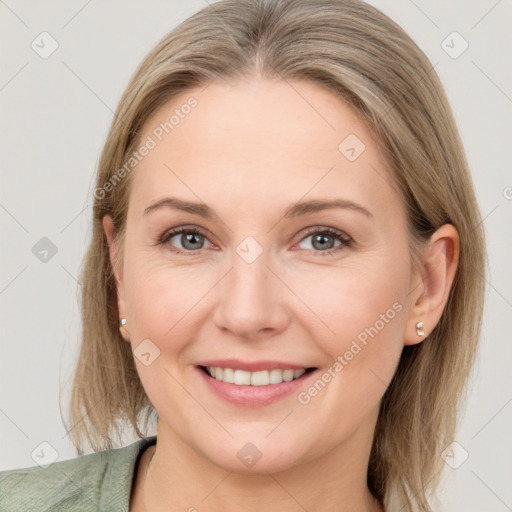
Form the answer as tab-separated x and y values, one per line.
122	322
419	329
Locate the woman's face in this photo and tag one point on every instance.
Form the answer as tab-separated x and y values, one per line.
262	277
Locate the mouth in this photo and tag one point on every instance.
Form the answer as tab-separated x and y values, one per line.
269	377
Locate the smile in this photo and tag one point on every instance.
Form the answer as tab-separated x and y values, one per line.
259	378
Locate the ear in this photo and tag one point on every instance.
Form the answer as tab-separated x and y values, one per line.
108	227
433	282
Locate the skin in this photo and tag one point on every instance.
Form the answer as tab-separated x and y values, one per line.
249	150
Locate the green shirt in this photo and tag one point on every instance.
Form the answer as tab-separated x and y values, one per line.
99	481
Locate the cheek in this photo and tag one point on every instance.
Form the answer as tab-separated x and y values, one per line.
343	301
364	309
358	312
163	303
162	299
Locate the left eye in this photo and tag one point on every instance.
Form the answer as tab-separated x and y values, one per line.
325	240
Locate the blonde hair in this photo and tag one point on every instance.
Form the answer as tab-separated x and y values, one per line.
371	63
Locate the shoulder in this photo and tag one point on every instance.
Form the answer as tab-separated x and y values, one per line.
97	481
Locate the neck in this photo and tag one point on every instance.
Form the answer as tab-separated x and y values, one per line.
179	478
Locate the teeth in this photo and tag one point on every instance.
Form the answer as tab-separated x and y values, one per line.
228	375
241	378
260	378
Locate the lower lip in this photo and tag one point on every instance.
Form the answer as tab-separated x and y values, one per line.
254	396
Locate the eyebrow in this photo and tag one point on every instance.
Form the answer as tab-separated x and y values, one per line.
295	210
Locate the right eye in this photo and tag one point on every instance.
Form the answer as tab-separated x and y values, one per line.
185	240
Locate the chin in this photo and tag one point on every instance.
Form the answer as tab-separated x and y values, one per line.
257	457
251	465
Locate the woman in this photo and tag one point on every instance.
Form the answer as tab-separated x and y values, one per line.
286	267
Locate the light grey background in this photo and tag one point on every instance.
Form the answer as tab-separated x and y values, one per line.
55	114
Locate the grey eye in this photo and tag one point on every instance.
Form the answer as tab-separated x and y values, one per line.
188	240
321	241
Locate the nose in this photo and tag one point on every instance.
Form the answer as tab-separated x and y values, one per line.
251	301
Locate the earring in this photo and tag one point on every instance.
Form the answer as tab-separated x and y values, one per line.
122	322
419	329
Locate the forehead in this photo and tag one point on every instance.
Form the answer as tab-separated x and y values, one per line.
260	139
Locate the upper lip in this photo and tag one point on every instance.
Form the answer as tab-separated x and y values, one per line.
252	366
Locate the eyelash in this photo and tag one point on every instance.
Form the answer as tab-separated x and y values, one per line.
345	240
